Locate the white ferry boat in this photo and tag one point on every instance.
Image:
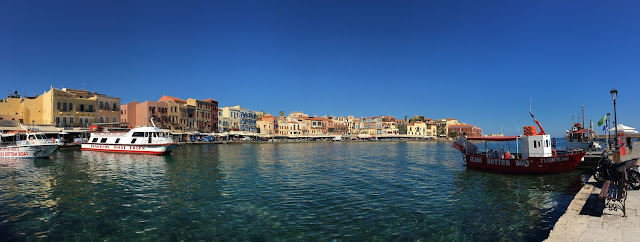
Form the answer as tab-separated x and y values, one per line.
26	145
141	140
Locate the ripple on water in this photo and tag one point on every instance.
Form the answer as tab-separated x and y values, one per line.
299	191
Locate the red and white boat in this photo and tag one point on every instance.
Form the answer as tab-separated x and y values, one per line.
141	140
537	154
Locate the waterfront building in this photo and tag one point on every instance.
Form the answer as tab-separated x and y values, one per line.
340	129
181	115
290	128
139	114
248	121
206	112
229	118
457	130
62	107
312	125
443	126
328	125
236	118
371	126
354	124
267	125
389	125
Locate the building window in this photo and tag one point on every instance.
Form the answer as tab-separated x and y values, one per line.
101	105
106	120
64	106
90	108
70	120
101	120
59	106
70	106
57	120
81	107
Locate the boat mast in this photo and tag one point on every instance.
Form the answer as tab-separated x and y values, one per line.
534	120
583	116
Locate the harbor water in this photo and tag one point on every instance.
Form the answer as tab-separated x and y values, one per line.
366	191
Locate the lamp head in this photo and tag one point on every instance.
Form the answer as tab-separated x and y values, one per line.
614	94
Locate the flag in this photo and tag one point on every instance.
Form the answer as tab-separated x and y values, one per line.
602	120
606	125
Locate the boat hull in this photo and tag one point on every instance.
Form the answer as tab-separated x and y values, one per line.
531	165
28	151
154	149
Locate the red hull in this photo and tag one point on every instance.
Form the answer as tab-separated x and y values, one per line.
531	165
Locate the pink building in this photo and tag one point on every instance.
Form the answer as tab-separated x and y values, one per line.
138	114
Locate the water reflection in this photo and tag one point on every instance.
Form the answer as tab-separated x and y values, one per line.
288	191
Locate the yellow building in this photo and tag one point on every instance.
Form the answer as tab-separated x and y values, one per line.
443	126
63	108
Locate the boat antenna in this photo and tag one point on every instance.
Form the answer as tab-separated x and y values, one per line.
534	120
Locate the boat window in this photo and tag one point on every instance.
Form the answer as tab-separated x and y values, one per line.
117	140
103	140
133	140
535	144
138	134
547	143
94	140
155	134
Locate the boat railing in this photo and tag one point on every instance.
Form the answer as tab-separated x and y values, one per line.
109	134
35	142
8	143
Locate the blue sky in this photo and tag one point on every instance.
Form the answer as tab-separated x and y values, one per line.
478	61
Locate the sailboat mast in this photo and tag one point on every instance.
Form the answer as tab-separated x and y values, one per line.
583	116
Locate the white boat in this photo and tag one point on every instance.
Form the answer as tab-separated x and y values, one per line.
141	140
26	145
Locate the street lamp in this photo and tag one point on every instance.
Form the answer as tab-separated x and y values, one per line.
614	95
608	130
33	124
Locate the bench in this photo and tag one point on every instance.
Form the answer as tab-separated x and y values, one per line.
615	194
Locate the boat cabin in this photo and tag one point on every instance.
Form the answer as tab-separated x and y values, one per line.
536	146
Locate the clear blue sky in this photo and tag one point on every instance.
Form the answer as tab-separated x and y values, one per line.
478	61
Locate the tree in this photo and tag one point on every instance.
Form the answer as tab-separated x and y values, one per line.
281	113
454	134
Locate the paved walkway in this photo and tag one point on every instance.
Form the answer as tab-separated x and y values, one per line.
586	218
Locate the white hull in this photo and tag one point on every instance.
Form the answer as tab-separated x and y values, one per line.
583	145
28	151
138	149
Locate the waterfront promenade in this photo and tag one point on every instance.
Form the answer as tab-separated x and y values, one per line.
586	220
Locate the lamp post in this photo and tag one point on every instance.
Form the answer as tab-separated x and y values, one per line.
614	95
33	124
608	132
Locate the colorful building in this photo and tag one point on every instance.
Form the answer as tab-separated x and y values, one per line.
464	129
62	108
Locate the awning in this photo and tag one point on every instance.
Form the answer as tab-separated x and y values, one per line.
497	138
9	128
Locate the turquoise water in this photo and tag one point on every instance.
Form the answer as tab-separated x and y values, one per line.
363	191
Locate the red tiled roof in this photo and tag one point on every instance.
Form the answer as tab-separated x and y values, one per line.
210	100
166	99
